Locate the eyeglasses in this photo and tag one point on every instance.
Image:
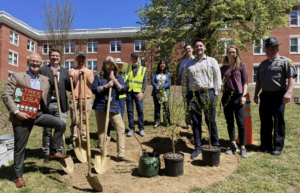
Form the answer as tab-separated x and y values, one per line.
109	66
35	61
231	52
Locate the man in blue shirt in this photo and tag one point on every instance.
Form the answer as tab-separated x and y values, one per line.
23	124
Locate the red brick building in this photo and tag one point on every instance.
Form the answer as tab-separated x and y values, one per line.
18	40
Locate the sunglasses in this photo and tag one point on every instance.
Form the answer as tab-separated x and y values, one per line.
109	66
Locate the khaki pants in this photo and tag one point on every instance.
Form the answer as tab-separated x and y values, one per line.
73	126
117	122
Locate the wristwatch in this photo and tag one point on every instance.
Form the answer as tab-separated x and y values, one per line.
245	95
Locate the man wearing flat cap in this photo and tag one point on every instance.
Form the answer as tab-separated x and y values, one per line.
276	77
137	83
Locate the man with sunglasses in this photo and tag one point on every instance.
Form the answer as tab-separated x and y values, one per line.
137	83
80	69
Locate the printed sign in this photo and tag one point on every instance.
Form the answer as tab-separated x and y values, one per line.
27	100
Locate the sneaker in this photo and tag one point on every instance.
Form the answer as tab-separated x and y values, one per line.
46	159
196	153
233	148
124	159
243	153
130	133
70	146
142	133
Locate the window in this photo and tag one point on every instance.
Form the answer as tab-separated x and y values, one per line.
115	46
46	62
69	65
223	45
92	47
260	48
46	48
294	45
255	69
13	58
14	38
92	65
294	18
30	45
139	45
69	48
142	62
10	75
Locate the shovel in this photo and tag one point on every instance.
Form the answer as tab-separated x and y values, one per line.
79	151
101	164
93	180
66	164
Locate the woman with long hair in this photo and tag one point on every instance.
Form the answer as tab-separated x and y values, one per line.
161	83
234	97
100	88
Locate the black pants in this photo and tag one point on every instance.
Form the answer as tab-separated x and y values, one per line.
22	133
271	107
233	106
166	112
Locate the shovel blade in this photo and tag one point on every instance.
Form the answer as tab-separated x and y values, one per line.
67	165
101	165
80	154
94	182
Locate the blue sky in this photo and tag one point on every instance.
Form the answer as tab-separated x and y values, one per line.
90	14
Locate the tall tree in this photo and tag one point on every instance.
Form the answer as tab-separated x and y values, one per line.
241	22
58	19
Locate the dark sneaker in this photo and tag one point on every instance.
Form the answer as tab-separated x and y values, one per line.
130	133
243	153
46	159
232	149
195	154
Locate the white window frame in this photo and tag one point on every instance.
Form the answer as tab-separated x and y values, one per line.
225	42
10	73
13	38
30	42
69	66
45	62
13	54
298	19
93	48
70	48
140	45
116	47
254	74
261	49
298	45
142	62
92	60
48	48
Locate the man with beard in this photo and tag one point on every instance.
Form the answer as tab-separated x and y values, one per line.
78	70
137	83
22	123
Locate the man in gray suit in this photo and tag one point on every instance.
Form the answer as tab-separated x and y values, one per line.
22	123
63	80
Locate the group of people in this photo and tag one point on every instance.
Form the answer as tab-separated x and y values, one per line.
201	78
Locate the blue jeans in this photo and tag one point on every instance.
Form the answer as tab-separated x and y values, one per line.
197	117
132	96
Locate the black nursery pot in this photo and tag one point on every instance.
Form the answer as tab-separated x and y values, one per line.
211	157
174	167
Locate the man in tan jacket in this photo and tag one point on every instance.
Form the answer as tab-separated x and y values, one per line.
22	123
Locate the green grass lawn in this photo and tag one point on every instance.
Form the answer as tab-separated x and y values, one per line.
260	172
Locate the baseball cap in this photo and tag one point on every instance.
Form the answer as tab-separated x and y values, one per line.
134	54
80	54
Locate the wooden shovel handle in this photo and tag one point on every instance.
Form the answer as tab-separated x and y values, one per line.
106	121
74	102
